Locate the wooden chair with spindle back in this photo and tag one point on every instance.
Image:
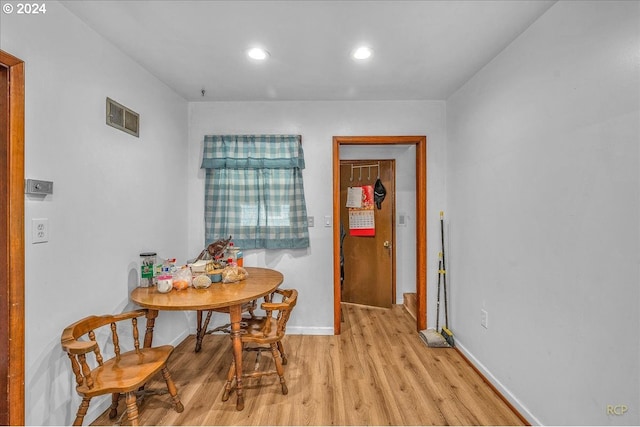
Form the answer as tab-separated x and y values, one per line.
125	372
258	332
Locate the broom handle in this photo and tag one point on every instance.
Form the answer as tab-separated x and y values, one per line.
444	272
438	300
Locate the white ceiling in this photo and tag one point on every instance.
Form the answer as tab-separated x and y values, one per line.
423	49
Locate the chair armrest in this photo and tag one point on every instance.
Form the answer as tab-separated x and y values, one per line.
273	305
79	347
68	339
287	294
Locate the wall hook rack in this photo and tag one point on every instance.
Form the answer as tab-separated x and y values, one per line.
360	167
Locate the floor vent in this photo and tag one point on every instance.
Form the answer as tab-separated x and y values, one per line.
121	117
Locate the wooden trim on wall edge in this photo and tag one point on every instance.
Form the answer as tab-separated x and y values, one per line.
16	237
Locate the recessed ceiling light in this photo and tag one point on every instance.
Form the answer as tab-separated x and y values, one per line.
363	52
257	53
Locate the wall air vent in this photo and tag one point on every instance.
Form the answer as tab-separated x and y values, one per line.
120	117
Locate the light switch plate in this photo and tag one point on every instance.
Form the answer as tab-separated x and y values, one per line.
484	318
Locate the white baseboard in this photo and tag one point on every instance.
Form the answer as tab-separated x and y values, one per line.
506	393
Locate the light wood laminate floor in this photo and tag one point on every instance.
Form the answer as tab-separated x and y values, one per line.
377	372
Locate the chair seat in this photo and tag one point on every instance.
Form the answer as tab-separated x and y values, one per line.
128	373
123	373
256	329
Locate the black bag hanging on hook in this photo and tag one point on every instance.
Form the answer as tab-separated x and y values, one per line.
379	193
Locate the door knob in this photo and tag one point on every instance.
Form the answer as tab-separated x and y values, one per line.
386	244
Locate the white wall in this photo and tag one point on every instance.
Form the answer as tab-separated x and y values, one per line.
543	194
114	195
311	270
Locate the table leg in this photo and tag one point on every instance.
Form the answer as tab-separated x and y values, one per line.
198	331
235	313
151	321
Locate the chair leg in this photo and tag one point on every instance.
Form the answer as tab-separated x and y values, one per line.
82	411
279	368
282	353
115	397
230	376
132	407
172	390
256	365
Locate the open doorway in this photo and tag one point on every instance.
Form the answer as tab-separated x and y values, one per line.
12	240
368	249
420	206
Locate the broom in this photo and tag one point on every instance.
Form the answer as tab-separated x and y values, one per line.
446	333
431	336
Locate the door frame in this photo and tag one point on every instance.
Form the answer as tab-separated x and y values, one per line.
12	240
420	143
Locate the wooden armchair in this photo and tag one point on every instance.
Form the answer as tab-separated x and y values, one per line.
257	332
123	373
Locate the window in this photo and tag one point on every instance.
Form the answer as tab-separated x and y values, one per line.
254	191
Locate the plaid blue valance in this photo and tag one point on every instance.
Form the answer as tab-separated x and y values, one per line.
252	152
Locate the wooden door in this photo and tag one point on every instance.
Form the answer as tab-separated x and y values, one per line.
369	261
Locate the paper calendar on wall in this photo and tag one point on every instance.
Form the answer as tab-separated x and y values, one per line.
361	213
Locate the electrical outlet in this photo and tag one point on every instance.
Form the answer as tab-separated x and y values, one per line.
39	230
484	319
311	221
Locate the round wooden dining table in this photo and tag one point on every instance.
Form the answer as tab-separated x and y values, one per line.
218	297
